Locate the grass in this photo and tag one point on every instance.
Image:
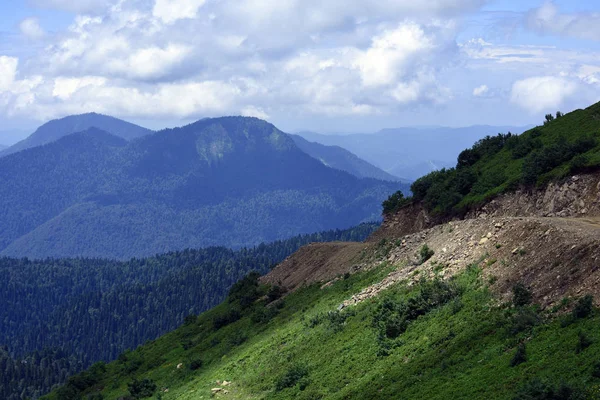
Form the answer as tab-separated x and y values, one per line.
459	349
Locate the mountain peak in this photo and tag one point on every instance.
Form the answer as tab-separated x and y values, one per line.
58	128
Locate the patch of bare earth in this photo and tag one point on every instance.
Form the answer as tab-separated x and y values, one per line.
554	257
317	262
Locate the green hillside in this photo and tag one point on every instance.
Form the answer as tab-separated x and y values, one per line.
564	145
434	340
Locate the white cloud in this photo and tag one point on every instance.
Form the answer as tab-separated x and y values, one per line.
151	62
543	93
481	91
8	72
391	53
548	19
252	111
64	88
169	11
31	28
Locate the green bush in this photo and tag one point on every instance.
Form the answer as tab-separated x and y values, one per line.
520	356
395	202
583	342
537	389
232	315
141	389
521	295
196	364
425	253
584	307
523	319
296	374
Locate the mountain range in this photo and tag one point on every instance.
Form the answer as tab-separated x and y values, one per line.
229	181
58	128
410	153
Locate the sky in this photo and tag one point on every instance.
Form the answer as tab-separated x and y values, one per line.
322	65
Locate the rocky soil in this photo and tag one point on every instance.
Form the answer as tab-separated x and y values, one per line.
548	240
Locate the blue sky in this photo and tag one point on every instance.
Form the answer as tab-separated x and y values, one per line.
330	66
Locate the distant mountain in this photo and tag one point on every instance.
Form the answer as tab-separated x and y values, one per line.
339	158
2	147
227	181
59	128
411	152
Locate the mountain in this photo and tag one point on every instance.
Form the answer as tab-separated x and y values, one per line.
91	310
59	128
339	158
2	147
498	303
410	152
227	181
563	146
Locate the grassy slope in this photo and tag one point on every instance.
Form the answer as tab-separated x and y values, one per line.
459	350
502	171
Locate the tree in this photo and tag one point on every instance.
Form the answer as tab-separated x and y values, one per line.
549	118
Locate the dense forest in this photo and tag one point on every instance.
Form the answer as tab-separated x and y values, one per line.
88	310
565	144
231	182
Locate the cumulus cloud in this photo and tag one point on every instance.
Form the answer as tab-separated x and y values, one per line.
8	72
481	91
543	93
170	11
548	19
31	28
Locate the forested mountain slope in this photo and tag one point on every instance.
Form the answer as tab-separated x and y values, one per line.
227	181
58	128
339	158
87	310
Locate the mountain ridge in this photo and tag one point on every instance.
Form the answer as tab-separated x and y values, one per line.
231	180
58	128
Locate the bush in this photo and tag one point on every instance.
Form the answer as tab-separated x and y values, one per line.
596	370
395	202
537	389
296	374
141	389
263	315
521	295
245	291
275	292
227	318
196	364
393	317
520	356
583	342
523	320
584	307
425	253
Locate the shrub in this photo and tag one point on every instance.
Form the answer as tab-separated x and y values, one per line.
196	364
523	320
521	295
425	253
584	307
141	389
537	389
264	314
296	374
227	318
190	320
275	292
583	342
596	370
520	356
395	202
245	291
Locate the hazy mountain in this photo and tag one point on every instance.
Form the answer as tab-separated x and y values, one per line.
411	152
2	147
339	158
227	181
58	128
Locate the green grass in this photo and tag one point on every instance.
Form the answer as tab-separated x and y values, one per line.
498	164
460	349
